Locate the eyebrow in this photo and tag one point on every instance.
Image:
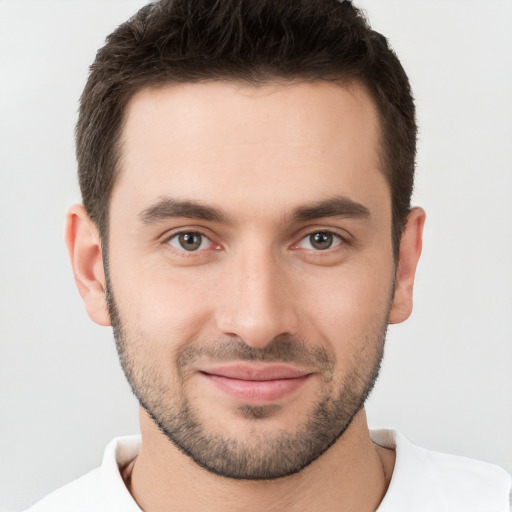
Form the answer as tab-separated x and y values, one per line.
338	206
168	207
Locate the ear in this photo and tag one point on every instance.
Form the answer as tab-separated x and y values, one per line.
410	250
84	247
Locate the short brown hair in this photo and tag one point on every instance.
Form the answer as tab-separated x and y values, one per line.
255	41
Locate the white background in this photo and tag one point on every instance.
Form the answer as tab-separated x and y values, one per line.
447	378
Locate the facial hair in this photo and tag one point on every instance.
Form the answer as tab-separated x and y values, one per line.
261	456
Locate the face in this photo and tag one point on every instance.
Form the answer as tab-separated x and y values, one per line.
251	270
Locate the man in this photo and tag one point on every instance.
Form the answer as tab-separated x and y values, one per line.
246	171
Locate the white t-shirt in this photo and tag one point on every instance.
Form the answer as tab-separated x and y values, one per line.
422	481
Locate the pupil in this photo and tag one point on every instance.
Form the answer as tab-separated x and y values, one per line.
190	241
321	240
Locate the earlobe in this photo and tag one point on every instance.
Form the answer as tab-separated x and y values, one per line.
410	251
85	251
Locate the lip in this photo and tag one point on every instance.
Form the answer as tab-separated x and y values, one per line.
254	384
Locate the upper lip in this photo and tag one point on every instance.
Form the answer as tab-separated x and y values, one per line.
256	372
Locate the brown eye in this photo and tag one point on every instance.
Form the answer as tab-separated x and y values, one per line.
189	241
321	240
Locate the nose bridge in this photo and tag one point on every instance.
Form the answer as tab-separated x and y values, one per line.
256	305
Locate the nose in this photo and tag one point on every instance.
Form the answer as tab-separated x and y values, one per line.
256	302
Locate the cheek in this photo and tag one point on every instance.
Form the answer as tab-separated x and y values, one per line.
170	306
351	305
167	306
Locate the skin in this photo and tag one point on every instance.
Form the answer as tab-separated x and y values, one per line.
254	156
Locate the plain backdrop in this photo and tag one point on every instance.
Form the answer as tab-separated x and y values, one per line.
447	377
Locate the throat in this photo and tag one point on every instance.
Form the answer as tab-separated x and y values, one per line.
126	474
353	474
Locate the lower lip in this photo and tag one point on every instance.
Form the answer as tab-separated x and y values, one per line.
256	392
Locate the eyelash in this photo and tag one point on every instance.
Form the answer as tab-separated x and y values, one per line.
338	240
190	254
341	242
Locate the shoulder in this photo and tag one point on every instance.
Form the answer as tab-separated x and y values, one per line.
430	480
100	490
80	495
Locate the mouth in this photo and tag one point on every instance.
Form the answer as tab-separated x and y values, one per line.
256	384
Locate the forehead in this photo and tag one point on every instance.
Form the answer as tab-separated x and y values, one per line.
278	143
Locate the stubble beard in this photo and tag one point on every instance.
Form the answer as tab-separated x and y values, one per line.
260	456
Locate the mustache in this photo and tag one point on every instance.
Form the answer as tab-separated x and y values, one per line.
282	349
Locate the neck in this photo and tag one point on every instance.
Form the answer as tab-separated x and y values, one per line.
353	474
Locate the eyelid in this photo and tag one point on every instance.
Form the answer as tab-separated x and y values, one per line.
173	233
336	241
204	241
341	234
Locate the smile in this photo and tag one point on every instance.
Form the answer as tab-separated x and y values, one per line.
256	385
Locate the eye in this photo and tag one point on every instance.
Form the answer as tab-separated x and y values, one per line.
320	241
190	241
